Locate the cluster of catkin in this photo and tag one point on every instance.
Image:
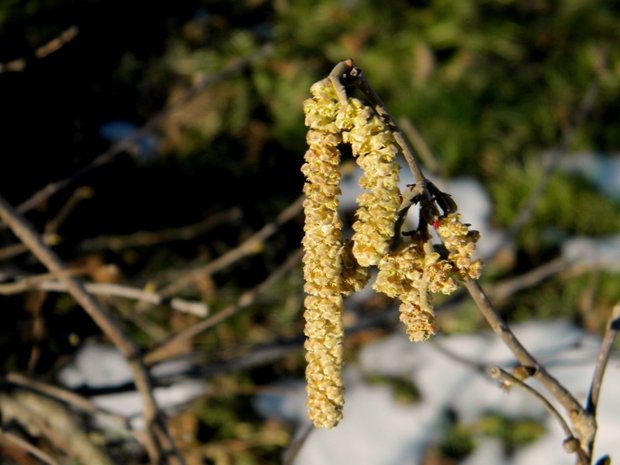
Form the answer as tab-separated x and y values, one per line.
334	267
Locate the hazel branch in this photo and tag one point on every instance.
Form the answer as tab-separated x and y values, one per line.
613	326
117	290
583	421
571	444
10	438
252	245
108	324
162	350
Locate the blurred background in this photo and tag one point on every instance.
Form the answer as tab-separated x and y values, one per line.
178	136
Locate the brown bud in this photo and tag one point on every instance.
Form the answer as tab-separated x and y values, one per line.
571	445
522	373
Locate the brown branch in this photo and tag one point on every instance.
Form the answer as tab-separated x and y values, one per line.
583	422
295	447
10	438
613	326
26	282
420	146
508	287
508	380
160	351
252	245
128	143
61	394
52	46
104	319
151	238
40	415
81	193
18	249
195	308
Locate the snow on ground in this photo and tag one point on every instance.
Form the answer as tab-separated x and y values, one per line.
376	430
99	366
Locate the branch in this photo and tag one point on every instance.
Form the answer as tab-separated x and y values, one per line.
251	246
195	308
420	145
583	422
127	143
159	352
613	326
52	46
106	322
298	441
11	251
151	238
570	442
15	440
81	193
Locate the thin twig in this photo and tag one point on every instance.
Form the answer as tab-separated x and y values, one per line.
420	146
61	394
583	421
293	449
508	287
24	282
247	298
15	440
117	290
151	238
52	46
104	319
252	245
127	143
13	250
500	375
81	193
613	326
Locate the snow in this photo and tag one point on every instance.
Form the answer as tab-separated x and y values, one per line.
100	366
377	430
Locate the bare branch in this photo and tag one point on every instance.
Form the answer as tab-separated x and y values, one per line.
117	290
151	238
18	249
420	146
583	422
613	326
251	246
128	143
52	46
159	352
549	165
15	440
104	319
298	441
81	193
508	380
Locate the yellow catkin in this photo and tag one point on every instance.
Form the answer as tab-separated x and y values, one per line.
461	243
411	273
373	145
323	260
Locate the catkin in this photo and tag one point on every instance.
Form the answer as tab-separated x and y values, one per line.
375	150
323	260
